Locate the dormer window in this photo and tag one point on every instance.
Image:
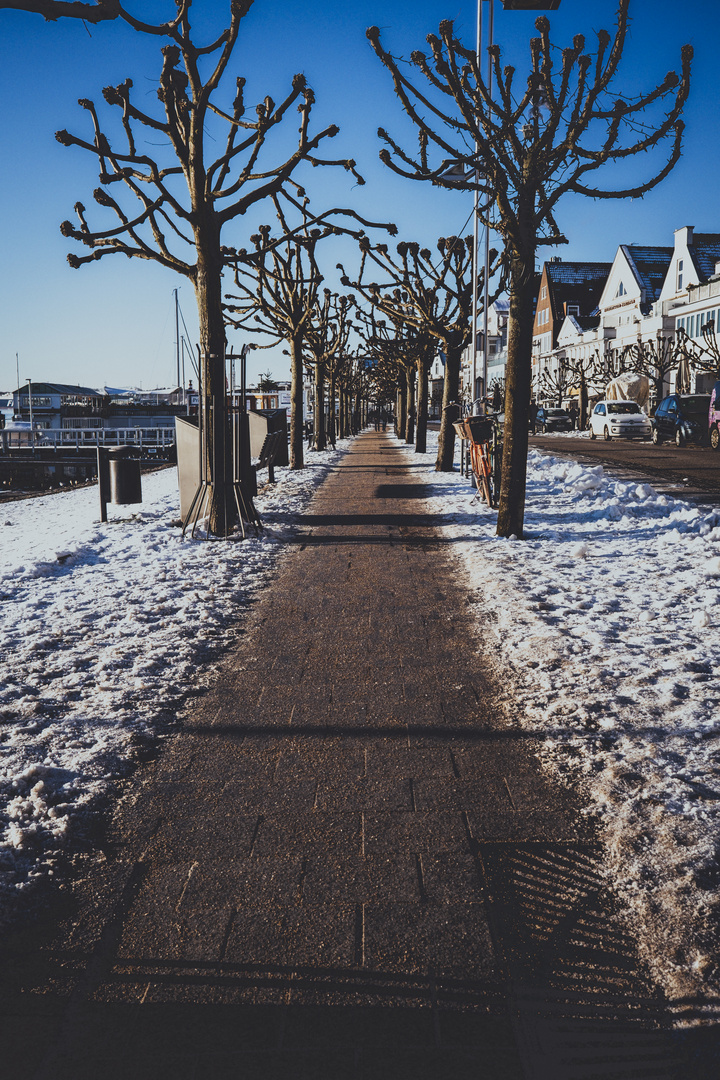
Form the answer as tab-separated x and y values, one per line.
621	290
679	275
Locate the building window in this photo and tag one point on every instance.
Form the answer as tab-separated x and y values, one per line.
679	275
621	290
543	292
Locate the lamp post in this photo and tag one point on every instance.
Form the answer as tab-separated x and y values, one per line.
32	425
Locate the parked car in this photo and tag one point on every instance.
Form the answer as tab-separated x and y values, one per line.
714	417
555	420
682	418
619	419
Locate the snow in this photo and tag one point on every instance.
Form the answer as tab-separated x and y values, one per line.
607	635
105	630
603	622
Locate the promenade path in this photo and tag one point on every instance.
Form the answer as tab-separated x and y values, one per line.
348	863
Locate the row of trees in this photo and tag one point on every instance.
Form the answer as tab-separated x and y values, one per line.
518	148
181	206
655	359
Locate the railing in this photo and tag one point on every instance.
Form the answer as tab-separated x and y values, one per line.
158	438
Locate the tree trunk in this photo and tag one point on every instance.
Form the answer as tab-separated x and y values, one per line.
331	410
222	512
400	413
422	404
451	394
583	420
319	421
511	513
347	425
297	460
410	406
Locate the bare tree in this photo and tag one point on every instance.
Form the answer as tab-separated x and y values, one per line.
691	355
404	350
524	149
327	340
655	359
608	363
183	205
579	372
100	11
434	297
383	371
554	383
279	284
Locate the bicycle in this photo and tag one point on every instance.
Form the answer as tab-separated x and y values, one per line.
485	441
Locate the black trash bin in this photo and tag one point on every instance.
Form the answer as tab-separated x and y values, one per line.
125	483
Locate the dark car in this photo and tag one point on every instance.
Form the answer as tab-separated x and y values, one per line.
682	418
553	420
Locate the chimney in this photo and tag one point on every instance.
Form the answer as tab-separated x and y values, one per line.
684	236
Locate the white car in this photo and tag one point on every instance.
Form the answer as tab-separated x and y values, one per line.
619	420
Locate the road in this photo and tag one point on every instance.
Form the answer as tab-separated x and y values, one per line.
690	472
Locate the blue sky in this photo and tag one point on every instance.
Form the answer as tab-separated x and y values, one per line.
112	322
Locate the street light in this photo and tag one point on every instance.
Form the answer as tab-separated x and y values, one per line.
32	426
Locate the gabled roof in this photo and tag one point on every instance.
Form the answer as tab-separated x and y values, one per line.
705	250
581	283
650	266
61	388
576	273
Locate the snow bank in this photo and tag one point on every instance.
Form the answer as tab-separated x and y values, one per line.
105	629
608	619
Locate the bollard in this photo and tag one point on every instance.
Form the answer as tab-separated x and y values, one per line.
103	471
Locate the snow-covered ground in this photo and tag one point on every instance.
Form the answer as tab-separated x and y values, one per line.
606	619
607	623
105	629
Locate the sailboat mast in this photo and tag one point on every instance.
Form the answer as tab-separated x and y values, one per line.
177	338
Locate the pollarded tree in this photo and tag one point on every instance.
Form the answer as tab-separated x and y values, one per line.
554	383
607	364
180	205
100	11
435	296
522	149
326	339
403	351
278	285
579	371
655	359
693	355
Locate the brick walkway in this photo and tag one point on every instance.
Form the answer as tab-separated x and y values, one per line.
347	865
